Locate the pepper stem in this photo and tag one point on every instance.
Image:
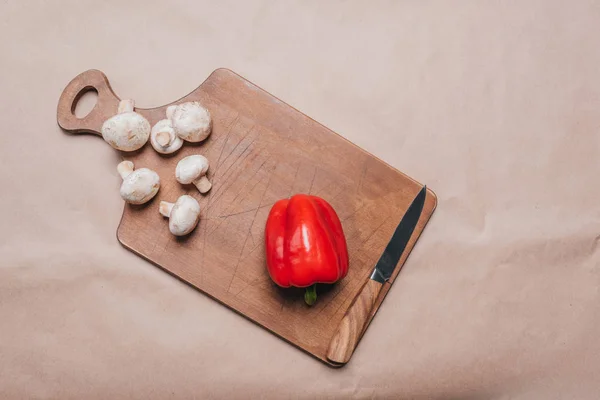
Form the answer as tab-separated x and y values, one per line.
310	296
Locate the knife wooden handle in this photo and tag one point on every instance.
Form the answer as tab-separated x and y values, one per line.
353	324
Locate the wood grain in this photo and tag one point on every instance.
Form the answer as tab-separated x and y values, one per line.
353	324
260	150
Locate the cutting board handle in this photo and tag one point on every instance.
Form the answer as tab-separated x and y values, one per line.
106	105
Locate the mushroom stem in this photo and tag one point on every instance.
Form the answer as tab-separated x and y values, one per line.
125	168
165	208
203	184
125	106
163	138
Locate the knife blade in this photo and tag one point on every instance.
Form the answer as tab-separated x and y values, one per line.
353	323
393	251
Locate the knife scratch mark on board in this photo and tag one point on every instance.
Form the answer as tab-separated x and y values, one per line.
222	184
342	190
223	187
312	181
236	146
245	184
357	235
229	130
241	190
362	177
253	249
248	233
362	205
282	305
217	165
243	212
294	180
257	281
221	179
345	282
335	181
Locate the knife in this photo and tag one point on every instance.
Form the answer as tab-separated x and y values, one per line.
355	320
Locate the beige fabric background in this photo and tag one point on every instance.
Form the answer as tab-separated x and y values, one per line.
495	105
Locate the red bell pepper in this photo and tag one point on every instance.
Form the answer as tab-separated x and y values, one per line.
305	244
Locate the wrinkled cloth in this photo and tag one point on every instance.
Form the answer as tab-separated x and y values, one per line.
494	105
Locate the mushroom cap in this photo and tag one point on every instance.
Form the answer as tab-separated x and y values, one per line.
191	121
127	131
191	168
140	186
184	215
164	126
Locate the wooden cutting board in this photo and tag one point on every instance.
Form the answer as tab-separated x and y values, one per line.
260	150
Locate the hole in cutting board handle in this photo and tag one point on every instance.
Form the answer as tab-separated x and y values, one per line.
84	102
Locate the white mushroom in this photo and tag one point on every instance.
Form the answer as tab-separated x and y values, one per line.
138	186
190	120
193	169
128	130
183	215
163	137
